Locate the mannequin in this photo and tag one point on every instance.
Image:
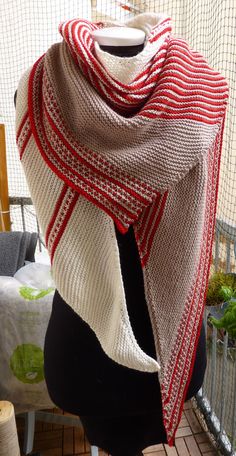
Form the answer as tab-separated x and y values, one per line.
120	41
120	408
111	402
128	37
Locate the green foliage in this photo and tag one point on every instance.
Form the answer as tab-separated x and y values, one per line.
31	294
221	288
27	363
228	321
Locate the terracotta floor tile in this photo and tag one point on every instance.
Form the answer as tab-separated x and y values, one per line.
193	421
156	453
182	432
181	447
153	448
192	446
201	437
183	422
170	451
205	447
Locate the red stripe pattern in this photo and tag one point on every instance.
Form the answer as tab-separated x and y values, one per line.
145	228
60	218
77	34
176	85
23	134
186	88
122	196
178	372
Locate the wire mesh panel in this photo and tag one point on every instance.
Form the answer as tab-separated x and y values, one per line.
219	389
29	28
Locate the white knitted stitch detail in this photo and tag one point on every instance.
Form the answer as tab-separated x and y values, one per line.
98	280
21	99
25	132
90	228
44	179
145	21
125	69
109	318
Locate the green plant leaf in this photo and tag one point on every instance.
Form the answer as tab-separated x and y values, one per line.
225	293
32	294
228	321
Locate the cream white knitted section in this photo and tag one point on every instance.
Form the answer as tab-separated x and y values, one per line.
92	283
125	69
145	22
90	228
21	100
89	248
40	175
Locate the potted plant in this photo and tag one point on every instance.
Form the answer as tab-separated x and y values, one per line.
221	303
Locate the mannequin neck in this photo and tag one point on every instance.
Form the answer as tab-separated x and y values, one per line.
123	51
120	41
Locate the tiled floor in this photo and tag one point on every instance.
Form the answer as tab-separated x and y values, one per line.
57	440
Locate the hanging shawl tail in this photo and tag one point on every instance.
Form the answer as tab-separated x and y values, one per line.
73	227
164	272
157	170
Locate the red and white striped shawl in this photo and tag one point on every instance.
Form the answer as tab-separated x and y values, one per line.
96	152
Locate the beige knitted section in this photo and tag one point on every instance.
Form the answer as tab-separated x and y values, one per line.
174	258
83	102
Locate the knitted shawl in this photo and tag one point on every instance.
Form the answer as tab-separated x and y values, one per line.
141	149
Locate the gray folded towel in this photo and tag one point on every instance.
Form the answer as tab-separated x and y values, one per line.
16	247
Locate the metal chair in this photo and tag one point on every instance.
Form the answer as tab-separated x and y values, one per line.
31	417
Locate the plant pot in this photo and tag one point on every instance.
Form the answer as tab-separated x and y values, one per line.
217	312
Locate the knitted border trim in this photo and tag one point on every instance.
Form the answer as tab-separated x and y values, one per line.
125	205
145	228
77	34
181	366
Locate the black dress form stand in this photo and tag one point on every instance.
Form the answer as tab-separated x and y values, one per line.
120	408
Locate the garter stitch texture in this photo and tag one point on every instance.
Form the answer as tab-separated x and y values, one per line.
98	150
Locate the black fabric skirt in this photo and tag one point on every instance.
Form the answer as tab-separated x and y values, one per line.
120	408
